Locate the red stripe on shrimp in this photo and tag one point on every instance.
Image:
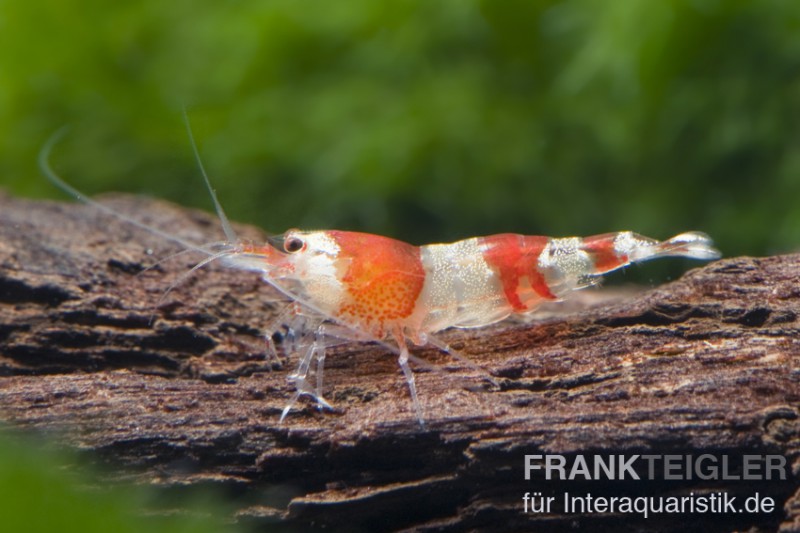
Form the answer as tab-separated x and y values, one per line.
603	253
514	258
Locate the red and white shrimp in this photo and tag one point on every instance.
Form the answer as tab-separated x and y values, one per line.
357	286
371	287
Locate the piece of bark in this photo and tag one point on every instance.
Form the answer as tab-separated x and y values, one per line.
176	390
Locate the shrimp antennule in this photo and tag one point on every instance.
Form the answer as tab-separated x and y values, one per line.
55	179
223	219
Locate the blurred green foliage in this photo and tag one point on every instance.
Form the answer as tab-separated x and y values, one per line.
424	120
44	490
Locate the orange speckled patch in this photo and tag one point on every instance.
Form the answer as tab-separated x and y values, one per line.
383	280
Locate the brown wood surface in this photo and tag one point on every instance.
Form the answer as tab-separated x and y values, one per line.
176	390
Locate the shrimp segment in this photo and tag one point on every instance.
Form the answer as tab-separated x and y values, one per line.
378	287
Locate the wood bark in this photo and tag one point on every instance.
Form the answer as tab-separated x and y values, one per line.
175	390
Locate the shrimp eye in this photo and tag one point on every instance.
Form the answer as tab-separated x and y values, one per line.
293	244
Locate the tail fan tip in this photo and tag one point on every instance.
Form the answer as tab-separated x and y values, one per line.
692	244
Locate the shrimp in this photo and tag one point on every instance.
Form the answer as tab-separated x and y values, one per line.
375	287
348	286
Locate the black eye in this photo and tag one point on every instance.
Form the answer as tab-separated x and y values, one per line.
293	244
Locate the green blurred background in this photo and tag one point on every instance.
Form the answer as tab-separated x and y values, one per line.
424	120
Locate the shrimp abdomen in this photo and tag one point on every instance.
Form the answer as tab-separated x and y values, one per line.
481	280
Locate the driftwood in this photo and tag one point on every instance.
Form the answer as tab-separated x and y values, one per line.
176	390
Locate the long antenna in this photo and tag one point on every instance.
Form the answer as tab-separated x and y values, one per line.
47	170
226	225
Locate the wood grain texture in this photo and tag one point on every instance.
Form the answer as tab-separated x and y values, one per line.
176	391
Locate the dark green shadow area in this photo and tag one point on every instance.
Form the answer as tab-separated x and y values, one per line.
44	489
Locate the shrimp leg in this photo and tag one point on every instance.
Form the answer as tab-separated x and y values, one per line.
315	351
402	360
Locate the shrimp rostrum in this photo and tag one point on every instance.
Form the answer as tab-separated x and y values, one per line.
357	286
